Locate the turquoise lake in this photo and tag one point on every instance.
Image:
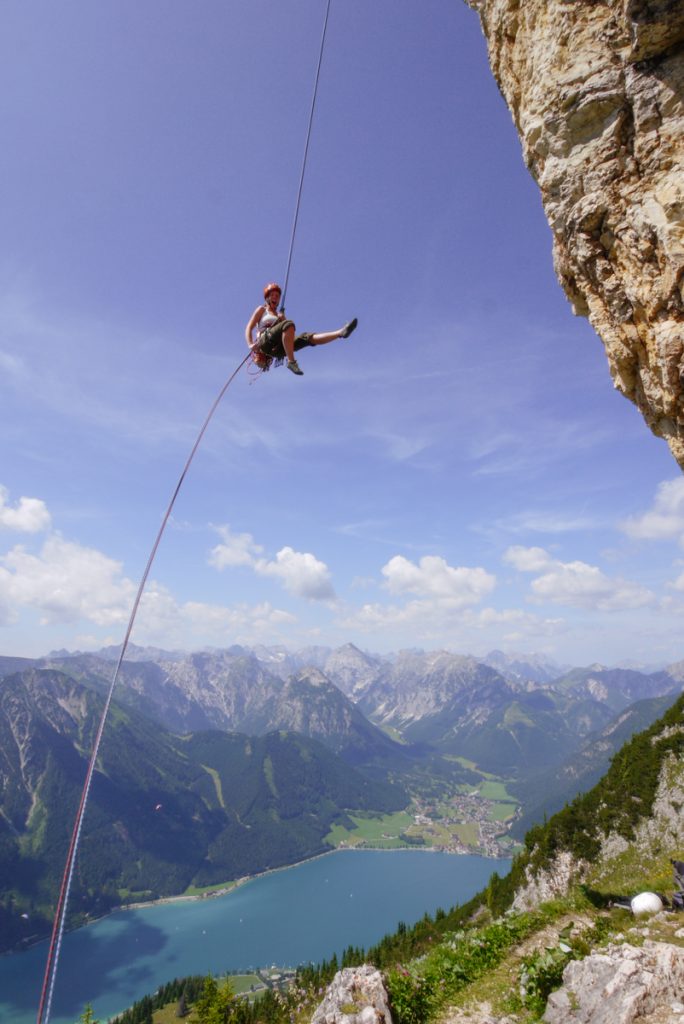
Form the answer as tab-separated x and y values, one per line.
307	912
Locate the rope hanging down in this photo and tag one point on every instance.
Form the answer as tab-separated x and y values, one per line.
55	946
63	900
306	154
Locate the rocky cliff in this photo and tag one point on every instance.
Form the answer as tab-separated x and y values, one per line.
596	90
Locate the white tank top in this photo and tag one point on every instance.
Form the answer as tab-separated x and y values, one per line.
267	320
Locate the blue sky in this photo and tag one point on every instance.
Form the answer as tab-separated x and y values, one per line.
459	473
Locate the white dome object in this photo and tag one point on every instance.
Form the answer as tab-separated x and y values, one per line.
646	903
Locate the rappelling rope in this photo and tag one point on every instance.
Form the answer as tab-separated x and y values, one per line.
306	153
65	889
60	914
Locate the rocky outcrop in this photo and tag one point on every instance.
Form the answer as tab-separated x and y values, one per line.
662	829
549	883
597	95
352	670
356	995
620	985
658	830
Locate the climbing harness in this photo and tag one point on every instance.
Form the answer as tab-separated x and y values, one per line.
263	362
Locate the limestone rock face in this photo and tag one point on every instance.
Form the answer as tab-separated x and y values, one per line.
356	995
550	883
596	90
621	985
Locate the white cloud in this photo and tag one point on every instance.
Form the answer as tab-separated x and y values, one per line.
30	515
517	617
300	572
65	582
585	586
434	622
375	617
236	549
433	577
665	519
440	601
193	623
576	584
90	642
8	614
678	583
527	559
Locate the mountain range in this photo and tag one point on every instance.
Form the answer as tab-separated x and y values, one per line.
508	715
553	940
223	763
165	811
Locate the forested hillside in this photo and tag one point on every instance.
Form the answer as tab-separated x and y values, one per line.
165	811
544	793
498	958
649	768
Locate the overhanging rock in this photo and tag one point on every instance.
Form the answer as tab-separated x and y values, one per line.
597	95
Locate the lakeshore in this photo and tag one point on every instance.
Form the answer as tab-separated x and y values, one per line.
286	916
225	888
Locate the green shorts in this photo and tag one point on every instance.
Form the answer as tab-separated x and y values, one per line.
272	340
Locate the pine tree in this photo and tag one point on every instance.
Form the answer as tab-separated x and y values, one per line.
215	1005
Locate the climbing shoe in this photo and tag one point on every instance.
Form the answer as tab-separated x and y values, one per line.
293	365
348	328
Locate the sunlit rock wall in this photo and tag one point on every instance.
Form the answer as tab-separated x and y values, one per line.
596	89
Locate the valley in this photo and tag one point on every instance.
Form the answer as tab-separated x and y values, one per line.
223	765
471	821
554	939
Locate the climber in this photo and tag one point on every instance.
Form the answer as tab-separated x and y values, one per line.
275	336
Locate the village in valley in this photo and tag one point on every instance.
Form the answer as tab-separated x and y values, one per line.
471	821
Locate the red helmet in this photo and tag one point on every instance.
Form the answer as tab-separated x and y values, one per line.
272	286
